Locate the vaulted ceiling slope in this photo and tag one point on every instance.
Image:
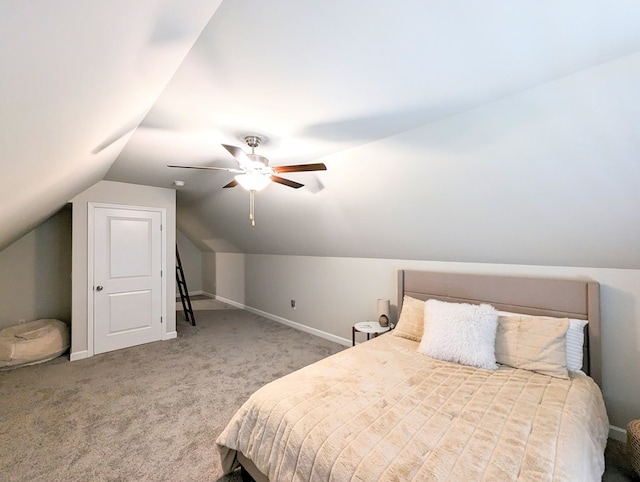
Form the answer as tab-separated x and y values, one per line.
549	176
77	79
469	131
465	131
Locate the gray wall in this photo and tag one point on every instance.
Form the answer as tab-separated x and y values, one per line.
230	277
35	273
209	273
548	176
116	193
333	293
191	258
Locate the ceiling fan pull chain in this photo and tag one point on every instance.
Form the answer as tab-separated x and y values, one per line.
252	207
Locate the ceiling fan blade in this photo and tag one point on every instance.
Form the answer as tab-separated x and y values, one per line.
233	183
238	153
286	182
301	168
208	168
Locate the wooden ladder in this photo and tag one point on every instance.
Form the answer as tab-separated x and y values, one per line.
184	292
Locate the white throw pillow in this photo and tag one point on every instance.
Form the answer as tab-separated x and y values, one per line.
575	344
461	333
575	341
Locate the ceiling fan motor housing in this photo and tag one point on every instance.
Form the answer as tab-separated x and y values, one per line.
258	158
253	141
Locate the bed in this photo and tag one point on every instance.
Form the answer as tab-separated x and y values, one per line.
384	411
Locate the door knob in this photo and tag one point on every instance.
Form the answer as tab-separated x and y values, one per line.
99	288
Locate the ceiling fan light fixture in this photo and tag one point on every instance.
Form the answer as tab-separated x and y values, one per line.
253	181
254	172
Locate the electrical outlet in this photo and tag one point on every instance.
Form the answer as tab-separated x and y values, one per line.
293	304
21	321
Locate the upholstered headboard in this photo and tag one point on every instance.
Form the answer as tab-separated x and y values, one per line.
559	297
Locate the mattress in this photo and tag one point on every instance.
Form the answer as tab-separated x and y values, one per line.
382	411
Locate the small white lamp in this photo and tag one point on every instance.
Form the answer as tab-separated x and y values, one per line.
384	308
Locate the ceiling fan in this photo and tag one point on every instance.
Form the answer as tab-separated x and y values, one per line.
254	173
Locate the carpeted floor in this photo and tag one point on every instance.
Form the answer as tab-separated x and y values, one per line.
153	412
150	412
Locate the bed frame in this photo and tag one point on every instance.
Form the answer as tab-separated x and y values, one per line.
559	297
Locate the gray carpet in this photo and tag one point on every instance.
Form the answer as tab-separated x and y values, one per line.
150	412
153	412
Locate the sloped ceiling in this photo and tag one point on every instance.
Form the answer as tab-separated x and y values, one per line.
469	131
77	79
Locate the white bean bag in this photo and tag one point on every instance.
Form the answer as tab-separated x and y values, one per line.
34	342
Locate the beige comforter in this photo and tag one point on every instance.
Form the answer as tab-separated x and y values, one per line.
381	411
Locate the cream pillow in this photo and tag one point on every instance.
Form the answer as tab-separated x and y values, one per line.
411	321
575	340
533	343
460	332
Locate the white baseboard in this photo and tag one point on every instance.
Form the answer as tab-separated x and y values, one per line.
79	355
230	302
210	295
170	335
301	327
284	321
617	433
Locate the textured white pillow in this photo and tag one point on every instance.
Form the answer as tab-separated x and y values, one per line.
575	341
575	344
461	333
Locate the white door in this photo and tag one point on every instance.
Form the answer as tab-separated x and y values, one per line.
127	280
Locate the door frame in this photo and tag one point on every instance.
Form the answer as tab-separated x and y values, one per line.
91	207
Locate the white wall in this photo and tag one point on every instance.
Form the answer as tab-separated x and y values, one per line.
115	193
77	78
191	258
35	273
548	176
209	272
230	277
333	293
